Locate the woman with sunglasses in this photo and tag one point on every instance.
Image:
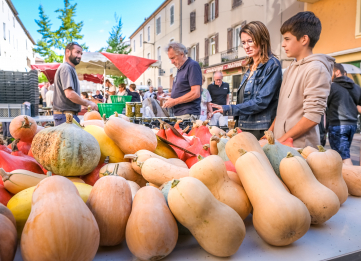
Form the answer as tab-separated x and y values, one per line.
257	96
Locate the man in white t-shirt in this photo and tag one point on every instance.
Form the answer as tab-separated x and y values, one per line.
206	108
50	96
111	90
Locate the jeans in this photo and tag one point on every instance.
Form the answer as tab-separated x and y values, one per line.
61	118
340	138
218	120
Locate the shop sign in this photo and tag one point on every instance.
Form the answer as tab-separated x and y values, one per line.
224	67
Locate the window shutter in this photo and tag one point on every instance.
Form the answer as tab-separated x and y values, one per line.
236	3
206	47
206	10
197	52
216	41
193	21
189	52
217	9
229	38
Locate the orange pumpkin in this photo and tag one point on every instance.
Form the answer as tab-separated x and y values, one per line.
23	128
92	115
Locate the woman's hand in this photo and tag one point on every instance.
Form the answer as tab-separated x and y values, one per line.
209	115
218	107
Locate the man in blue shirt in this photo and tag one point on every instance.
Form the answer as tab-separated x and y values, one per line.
186	92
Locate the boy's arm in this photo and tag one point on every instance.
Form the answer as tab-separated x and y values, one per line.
303	126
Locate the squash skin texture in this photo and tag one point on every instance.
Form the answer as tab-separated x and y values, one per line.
307	151
106	144
213	173
151	232
130	137
122	169
8	239
243	140
287	217
217	227
7	213
158	172
69	221
352	177
134	187
327	168
20	204
66	150
321	202
111	202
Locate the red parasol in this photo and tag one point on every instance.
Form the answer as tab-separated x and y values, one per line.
49	69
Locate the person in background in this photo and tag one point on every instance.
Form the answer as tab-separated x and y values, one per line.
141	93
306	83
67	87
186	92
98	96
257	96
111	90
219	92
150	93
84	109
132	92
343	106
40	99
206	108
44	90
50	96
122	91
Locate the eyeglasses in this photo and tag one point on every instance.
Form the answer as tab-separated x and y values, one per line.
249	42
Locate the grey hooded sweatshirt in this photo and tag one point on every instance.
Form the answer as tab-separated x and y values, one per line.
304	91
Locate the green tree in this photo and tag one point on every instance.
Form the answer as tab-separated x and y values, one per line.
42	78
54	42
117	45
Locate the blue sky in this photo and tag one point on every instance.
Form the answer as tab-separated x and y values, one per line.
98	16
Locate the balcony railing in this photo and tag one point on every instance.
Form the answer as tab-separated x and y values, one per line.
229	55
204	62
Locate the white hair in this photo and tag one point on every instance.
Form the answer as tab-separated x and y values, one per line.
177	47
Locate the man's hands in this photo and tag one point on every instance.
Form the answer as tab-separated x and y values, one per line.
218	107
170	103
92	105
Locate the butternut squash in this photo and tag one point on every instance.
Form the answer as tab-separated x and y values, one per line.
134	187
142	155
213	173
276	151
278	217
243	140
321	202
107	145
122	169
8	239
234	177
130	137
307	151
326	165
217	227
110	201
99	123
151	232
158	172
70	221
352	177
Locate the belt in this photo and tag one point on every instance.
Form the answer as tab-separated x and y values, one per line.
63	112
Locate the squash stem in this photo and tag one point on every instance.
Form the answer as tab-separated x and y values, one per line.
289	155
200	158
5	176
270	137
206	146
300	151
133	157
105	118
116	114
186	129
14	145
26	123
205	123
242	152
215	138
175	182
321	148
89	108
69	118
1	141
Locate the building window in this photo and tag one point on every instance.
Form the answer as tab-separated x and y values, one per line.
172	15
236	3
14	21
193	21
194	53
191	1
358	19
212	46
159	29
134	46
237	40
212	11
148	55
4	30
140	40
159	53
159	81
148	33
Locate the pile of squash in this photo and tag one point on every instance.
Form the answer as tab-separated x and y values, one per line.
108	181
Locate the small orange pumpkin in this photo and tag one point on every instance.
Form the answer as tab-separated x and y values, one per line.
92	115
23	128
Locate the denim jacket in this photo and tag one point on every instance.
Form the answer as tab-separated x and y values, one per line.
261	92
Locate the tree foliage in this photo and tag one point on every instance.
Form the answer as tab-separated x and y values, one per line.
42	78
54	42
116	44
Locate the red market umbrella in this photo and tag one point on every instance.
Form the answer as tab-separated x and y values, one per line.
49	69
96	78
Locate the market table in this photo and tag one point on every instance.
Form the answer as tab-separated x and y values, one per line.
37	118
339	237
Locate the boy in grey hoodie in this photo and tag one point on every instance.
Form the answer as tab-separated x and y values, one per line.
306	83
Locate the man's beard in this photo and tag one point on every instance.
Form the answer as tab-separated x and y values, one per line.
74	60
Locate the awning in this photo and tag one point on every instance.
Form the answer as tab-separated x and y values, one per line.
49	69
351	69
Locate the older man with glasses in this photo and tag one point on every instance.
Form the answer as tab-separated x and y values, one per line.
186	92
219	92
67	87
